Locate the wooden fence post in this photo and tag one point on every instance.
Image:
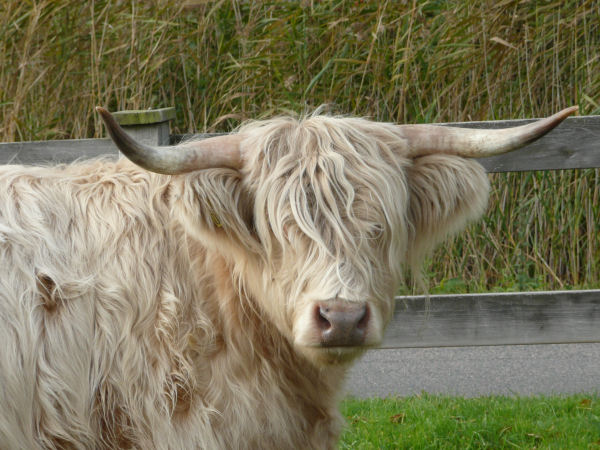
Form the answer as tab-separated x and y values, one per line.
147	126
150	127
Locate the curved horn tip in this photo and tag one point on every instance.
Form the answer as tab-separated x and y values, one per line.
104	114
101	110
567	111
561	115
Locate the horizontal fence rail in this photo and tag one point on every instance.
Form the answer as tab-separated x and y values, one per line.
574	144
56	152
555	317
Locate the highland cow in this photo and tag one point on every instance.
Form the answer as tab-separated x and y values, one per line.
213	294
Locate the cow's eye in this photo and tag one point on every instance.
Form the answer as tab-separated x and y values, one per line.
376	231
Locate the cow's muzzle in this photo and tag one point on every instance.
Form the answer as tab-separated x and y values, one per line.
341	323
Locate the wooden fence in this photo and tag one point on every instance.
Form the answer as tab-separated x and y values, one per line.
439	320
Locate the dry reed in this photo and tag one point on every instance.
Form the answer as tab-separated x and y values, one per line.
222	62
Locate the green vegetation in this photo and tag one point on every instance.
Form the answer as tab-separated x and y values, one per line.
220	63
432	422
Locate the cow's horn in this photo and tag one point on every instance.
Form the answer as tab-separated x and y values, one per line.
218	151
472	143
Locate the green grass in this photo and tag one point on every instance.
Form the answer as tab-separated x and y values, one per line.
222	62
441	422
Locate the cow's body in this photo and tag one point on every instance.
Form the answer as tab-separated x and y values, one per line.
214	308
117	326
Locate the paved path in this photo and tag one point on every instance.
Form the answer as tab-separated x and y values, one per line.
476	371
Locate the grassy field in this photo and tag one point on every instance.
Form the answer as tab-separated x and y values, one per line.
222	62
438	422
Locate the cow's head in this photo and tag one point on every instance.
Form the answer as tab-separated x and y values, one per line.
318	216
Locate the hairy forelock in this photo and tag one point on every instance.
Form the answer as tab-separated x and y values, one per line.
330	198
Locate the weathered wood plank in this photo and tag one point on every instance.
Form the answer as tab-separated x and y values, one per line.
55	152
574	144
495	319
144	116
150	126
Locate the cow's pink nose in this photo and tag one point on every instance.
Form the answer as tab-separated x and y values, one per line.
341	323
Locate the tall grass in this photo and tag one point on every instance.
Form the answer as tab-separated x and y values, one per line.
413	61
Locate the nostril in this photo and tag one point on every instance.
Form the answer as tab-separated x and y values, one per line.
322	321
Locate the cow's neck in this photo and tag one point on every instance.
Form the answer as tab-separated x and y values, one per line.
253	357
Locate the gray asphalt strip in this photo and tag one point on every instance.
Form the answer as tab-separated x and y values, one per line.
478	371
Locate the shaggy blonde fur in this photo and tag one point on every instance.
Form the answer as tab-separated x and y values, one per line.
147	311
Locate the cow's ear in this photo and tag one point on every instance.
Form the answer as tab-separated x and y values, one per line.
445	193
215	204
